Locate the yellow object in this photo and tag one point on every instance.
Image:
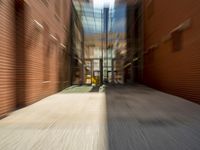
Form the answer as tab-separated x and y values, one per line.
94	81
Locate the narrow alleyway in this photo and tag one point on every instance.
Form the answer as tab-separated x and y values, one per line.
119	118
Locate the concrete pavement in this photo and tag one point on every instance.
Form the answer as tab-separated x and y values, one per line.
121	118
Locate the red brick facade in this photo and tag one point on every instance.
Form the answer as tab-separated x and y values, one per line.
172	47
34	50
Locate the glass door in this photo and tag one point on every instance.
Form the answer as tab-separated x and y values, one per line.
97	73
88	72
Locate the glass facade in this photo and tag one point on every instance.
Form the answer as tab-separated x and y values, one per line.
104	41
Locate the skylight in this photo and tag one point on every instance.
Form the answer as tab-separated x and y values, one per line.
103	3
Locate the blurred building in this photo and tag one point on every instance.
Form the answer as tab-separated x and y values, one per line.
48	45
171	49
77	48
34	58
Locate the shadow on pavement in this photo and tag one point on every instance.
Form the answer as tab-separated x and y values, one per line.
139	119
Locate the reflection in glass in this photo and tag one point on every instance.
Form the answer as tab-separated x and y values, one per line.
104	38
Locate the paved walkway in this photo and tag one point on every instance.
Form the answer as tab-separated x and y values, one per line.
121	118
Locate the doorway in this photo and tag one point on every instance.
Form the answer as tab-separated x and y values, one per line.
93	72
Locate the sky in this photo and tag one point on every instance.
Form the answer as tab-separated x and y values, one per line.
102	3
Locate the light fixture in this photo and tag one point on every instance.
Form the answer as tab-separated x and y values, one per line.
62	45
53	37
38	25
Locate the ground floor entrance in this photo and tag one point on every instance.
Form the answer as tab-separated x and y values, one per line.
99	71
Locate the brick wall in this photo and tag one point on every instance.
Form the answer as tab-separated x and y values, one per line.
7	57
34	39
172	47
